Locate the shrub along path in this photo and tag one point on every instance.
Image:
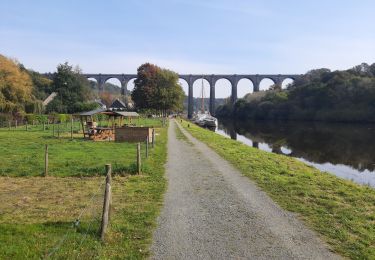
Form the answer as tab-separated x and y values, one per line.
212	212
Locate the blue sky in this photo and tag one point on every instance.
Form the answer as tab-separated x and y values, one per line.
189	36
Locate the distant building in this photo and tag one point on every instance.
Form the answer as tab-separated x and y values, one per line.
100	103
117	105
49	98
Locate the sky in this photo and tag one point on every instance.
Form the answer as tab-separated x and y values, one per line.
189	36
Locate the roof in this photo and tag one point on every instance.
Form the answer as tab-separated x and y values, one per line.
127	113
110	112
49	98
101	104
93	112
117	104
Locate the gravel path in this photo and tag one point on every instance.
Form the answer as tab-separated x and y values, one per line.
212	212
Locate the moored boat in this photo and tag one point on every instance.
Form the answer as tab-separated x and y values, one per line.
203	118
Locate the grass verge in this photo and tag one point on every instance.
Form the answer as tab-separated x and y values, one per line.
181	136
342	212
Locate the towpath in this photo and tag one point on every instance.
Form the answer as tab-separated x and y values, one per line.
212	212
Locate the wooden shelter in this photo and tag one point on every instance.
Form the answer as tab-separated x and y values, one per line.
97	129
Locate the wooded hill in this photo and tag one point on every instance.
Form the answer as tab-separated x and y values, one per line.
319	95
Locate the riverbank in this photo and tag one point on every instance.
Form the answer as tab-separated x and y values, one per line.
38	213
345	150
342	212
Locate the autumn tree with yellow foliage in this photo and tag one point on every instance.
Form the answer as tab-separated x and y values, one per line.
15	87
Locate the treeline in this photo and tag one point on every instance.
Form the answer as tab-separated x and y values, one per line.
22	91
319	95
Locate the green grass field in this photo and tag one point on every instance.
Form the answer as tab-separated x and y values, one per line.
23	152
37	213
342	212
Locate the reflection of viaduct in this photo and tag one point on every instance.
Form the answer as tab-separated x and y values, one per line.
190	79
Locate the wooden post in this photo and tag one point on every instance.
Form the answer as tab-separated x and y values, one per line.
46	162
153	137
147	147
139	166
44	126
15	124
10	125
106	203
71	129
26	125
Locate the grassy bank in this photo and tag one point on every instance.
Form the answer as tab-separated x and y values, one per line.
342	212
37	214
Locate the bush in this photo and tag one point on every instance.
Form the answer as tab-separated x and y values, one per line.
60	118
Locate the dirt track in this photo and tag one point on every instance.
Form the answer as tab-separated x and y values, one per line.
212	212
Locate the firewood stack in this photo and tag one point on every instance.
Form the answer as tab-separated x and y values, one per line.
104	135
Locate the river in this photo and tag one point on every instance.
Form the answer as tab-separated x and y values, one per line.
345	150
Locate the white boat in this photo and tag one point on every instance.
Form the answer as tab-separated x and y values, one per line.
210	121
204	118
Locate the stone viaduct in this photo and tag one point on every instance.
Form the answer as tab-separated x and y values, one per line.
190	79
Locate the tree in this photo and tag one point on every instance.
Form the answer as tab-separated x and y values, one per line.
157	89
106	98
15	87
42	86
72	87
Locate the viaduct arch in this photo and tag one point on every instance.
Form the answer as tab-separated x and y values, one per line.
191	78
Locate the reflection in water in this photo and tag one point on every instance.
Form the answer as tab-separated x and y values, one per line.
346	150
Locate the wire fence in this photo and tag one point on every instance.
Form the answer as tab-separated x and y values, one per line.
92	213
28	159
56	128
87	222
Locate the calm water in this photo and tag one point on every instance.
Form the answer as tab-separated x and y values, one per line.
346	150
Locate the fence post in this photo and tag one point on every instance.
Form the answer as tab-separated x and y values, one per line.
139	158
10	125
71	129
15	124
106	203
44	126
53	128
26	125
153	137
147	147
58	130
46	162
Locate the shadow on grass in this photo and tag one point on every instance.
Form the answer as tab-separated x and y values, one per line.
90	227
119	170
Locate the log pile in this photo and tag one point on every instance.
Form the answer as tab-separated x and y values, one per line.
103	135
